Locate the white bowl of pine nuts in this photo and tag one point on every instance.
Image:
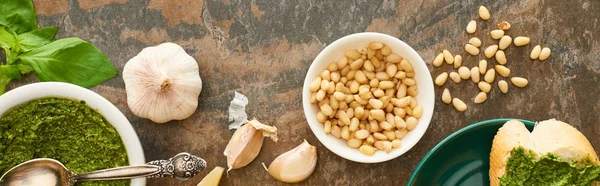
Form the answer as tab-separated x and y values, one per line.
368	97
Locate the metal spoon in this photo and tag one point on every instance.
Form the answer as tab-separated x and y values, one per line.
49	172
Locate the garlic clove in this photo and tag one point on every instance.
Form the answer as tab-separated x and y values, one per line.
162	83
295	165
213	178
246	142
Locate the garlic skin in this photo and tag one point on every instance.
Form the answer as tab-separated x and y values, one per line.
162	83
246	142
295	165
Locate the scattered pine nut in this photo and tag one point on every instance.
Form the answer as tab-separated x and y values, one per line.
448	57
504	42
457	61
521	41
475	41
446	97
497	34
459	105
441	79
503	86
502	70
439	59
480	98
504	26
484	86
519	81
475	74
464	72
484	13
471	49
501	57
471	27
489	75
482	66
544	54
535	53
455	77
490	51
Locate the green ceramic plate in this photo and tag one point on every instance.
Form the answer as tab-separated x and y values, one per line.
461	159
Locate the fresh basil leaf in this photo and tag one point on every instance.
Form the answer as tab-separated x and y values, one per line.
7	38
24	69
70	60
7	73
18	15
36	38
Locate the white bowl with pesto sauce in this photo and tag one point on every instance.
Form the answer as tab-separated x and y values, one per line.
27	93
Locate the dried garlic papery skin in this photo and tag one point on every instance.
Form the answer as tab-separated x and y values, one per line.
162	83
246	142
295	165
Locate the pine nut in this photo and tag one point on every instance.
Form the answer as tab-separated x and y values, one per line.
377	114
502	70
383	145
457	61
412	91
396	143
519	81
475	41
401	91
356	64
503	86
375	45
332	67
406	66
504	42
490	51
379	93
480	98
464	72
342	62
521	41
446	97
355	143
501	57
497	34
361	134
544	54
418	111
379	136
455	77
386	85
482	66
382	76
343	118
335	76
376	62
489	76
471	49
354	124
320	95
385	125
400	123
411	123
360	77
439	59
448	57
504	25
484	86
401	133
471	27
345	134
393	58
389	134
369	66
327	127
484	13
375	103
391	70
475	74
389	117
336	131
353	54
386	51
315	84
321	117
459	105
441	79
370	139
402	102
535	53
367	150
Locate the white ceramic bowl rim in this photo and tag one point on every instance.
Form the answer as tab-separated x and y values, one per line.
30	92
425	97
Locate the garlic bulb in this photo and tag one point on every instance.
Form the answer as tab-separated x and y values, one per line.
246	142
162	83
295	165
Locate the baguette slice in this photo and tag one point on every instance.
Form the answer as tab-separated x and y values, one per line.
550	136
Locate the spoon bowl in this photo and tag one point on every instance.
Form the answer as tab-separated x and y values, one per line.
38	172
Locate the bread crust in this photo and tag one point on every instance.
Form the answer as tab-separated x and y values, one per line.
550	136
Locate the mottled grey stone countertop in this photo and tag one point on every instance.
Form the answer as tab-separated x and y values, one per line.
263	48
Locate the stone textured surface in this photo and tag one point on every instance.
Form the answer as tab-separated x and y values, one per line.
263	48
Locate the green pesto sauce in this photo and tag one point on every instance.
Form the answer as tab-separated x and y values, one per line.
523	169
68	131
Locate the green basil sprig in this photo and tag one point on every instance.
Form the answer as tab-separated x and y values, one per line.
31	49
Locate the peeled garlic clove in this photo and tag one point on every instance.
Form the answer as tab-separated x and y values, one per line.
162	83
295	165
246	142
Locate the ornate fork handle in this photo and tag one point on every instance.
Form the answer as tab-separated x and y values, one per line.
182	166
